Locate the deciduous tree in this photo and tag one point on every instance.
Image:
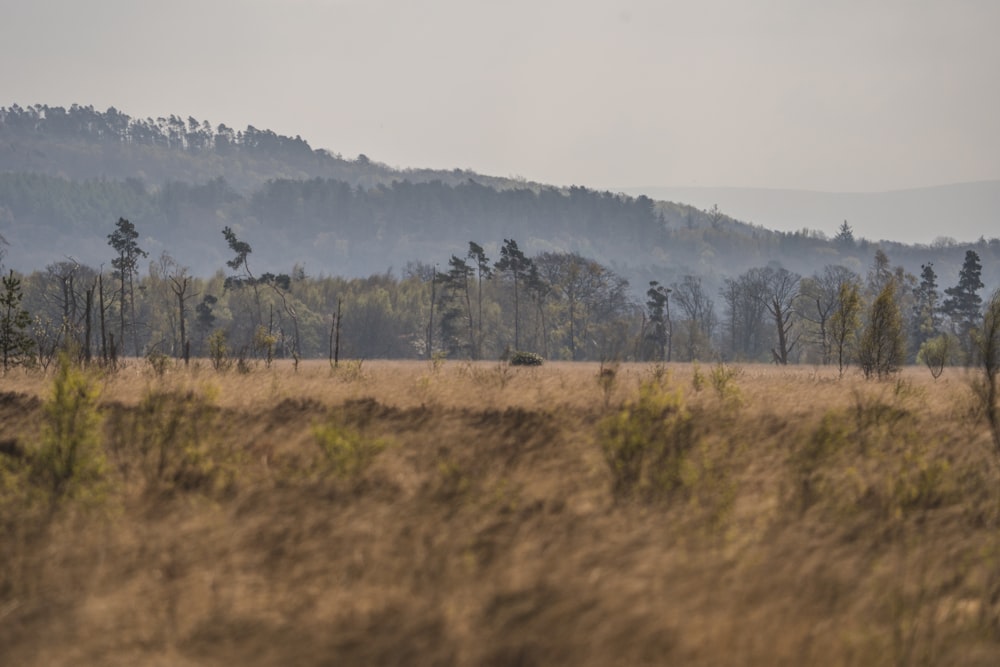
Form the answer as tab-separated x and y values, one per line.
844	322
882	351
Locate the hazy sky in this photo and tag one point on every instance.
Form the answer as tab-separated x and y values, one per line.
840	96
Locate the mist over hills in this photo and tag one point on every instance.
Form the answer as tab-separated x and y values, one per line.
939	214
66	175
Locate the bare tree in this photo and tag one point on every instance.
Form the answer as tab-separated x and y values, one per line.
744	299
781	289
818	301
698	321
180	285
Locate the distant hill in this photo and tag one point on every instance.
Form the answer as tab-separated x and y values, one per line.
963	211
66	176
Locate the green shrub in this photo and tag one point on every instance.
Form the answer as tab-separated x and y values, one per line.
723	379
263	343
647	444
168	438
347	453
70	461
526	359
871	458
437	360
498	376
607	380
937	353
158	362
218	351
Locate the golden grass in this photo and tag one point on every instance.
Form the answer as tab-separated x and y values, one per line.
818	520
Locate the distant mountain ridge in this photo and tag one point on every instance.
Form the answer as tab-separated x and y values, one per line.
66	175
81	142
960	211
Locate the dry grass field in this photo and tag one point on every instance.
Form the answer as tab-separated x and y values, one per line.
403	513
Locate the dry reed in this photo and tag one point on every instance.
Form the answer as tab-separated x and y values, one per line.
812	520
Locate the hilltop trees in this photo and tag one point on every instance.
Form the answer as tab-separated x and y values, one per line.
845	236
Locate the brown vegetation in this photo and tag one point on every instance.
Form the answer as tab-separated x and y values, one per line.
397	513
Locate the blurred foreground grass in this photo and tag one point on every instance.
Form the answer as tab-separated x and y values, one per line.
392	513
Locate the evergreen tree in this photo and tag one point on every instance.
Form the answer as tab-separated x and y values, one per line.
485	272
16	346
124	240
458	304
513	262
963	302
658	309
845	237
926	316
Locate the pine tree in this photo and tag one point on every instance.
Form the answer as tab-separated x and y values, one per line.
16	346
124	241
485	272
845	237
926	315
963	303
658	308
514	262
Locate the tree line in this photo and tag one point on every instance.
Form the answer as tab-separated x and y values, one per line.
473	306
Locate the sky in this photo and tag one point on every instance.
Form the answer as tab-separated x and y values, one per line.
847	96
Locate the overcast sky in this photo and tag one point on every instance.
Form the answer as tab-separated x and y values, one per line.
840	96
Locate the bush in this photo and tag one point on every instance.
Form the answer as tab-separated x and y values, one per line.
526	359
347	453
70	461
937	353
169	438
218	351
648	442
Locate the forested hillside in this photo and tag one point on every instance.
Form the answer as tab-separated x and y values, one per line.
598	277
